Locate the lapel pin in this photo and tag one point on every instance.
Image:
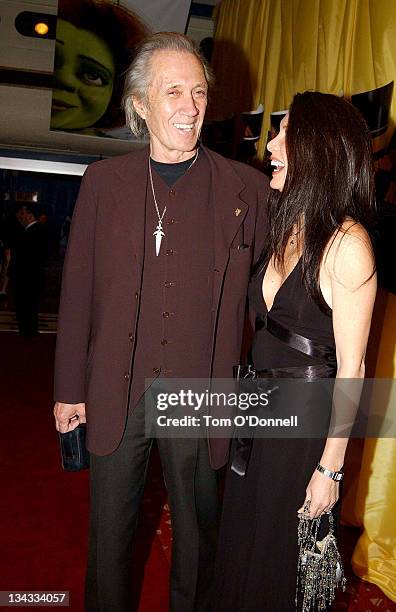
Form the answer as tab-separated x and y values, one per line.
237	212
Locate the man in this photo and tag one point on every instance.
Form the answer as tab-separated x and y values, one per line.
26	269
155	283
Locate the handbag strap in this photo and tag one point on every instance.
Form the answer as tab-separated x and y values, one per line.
305	372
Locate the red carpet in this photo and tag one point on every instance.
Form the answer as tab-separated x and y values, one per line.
43	511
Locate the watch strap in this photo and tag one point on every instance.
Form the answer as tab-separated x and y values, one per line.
337	476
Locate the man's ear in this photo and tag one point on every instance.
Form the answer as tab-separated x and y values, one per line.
139	106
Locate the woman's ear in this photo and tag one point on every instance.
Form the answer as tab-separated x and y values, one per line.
139	107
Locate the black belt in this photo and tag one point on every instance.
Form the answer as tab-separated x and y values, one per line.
326	369
296	341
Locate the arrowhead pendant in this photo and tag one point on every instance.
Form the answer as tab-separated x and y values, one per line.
159	234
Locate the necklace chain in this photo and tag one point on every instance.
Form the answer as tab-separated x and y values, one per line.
159	232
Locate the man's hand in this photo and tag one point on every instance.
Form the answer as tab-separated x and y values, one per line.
68	416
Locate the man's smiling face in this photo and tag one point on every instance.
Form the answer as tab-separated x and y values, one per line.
176	105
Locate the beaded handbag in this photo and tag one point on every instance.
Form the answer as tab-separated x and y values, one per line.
320	569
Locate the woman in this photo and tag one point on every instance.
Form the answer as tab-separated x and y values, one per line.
313	293
94	45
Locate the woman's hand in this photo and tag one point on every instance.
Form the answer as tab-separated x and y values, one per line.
322	492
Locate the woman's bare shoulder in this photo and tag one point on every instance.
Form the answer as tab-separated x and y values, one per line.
349	258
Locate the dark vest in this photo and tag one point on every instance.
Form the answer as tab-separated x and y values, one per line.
175	320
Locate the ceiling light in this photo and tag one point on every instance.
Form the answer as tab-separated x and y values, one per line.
41	28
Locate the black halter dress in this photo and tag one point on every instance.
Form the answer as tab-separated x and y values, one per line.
256	568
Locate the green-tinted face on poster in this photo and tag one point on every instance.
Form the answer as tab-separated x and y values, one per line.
83	78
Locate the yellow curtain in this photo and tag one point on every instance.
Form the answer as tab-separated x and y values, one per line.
267	50
374	558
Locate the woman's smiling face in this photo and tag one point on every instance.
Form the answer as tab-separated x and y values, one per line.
83	78
277	148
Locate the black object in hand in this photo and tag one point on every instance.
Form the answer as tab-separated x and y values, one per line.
74	452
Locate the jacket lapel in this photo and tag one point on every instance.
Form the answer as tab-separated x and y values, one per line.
131	191
230	210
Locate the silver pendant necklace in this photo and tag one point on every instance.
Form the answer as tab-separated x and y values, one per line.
159	232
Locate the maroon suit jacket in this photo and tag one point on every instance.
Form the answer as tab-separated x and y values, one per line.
102	281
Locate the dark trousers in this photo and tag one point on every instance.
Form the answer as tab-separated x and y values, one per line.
117	483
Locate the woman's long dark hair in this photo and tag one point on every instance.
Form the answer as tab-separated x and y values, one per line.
330	177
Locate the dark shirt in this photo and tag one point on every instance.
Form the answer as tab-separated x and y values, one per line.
171	173
175	319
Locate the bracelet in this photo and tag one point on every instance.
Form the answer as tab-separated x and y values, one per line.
337	476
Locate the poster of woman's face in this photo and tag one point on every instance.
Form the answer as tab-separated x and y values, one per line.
94	47
94	43
85	70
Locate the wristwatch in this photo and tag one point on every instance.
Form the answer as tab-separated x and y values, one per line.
337	476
